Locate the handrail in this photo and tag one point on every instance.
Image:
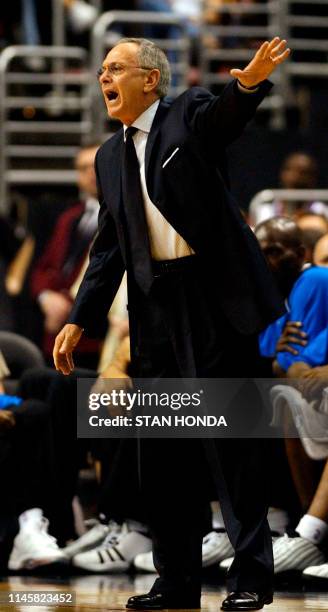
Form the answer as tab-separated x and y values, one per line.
52	104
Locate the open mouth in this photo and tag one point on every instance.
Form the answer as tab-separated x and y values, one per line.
112	95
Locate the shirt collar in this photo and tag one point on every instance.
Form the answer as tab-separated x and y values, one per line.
145	120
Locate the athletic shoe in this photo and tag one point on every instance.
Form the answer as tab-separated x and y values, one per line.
90	539
317	573
33	546
226	564
144	563
216	547
295	554
115	554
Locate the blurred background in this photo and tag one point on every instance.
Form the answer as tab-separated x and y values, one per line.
51	107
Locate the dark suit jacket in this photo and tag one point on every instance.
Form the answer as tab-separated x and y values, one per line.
191	192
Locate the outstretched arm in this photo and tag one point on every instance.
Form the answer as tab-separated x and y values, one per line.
221	119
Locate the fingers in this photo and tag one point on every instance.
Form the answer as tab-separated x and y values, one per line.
69	357
62	354
274	50
279	48
295	340
281	58
261	53
290	349
271	46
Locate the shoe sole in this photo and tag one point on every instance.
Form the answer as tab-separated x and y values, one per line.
102	570
175	607
32	564
317	581
267	602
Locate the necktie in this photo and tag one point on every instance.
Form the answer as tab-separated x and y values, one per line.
135	215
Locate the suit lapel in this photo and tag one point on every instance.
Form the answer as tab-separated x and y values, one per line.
154	136
112	174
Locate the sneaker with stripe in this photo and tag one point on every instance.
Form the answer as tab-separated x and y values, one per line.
216	546
317	573
295	554
92	538
115	554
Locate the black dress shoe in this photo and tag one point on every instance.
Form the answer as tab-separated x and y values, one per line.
246	600
159	601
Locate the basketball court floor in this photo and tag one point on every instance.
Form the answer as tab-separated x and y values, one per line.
109	593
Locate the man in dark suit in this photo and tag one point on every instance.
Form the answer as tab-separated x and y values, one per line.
199	292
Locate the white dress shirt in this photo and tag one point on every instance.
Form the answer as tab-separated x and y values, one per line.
165	242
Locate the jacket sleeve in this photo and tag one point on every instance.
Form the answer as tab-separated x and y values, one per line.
222	119
102	277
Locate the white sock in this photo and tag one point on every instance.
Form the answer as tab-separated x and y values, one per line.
312	528
278	520
217	518
33	515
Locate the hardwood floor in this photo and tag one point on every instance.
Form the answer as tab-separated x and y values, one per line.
109	593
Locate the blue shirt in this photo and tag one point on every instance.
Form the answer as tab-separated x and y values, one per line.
308	303
9	400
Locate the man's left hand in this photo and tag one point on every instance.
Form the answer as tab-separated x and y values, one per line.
265	61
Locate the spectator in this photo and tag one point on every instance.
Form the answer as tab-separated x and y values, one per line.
57	269
313	226
298	171
307	293
320	253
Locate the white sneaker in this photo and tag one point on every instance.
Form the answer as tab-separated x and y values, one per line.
216	547
226	564
144	562
316	572
33	546
90	539
295	554
116	553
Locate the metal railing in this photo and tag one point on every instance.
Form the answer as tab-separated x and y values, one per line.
234	47
66	115
112	25
307	41
268	196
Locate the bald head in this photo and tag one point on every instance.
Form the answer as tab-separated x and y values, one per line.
279	229
281	242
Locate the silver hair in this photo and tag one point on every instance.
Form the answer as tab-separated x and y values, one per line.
151	56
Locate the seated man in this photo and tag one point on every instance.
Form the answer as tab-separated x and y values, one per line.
307	319
296	342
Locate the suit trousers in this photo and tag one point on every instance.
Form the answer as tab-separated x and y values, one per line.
179	330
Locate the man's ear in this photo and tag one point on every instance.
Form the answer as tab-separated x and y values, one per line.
152	80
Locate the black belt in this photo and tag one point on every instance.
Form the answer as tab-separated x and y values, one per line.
173	265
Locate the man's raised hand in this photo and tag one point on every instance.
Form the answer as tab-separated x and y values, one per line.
266	59
65	343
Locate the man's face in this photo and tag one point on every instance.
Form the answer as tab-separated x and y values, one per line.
86	176
124	83
298	172
284	261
